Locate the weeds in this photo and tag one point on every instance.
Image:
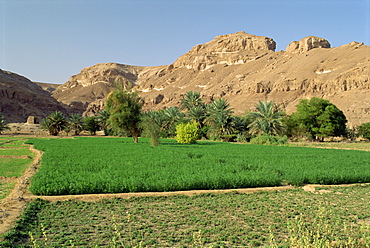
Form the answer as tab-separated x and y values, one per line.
324	231
268	219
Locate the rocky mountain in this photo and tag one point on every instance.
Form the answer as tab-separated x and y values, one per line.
20	98
225	67
242	68
94	84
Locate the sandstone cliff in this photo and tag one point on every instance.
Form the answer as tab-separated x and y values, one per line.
20	98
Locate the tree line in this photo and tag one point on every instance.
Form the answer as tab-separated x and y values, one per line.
314	119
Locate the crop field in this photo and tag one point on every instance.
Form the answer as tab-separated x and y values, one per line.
15	157
335	215
116	165
364	146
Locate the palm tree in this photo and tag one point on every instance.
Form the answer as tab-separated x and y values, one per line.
103	117
190	100
91	124
171	116
76	123
54	123
195	107
220	119
267	119
3	123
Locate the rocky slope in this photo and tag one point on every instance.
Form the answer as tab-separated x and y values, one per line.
94	84
20	98
243	76
245	68
242	68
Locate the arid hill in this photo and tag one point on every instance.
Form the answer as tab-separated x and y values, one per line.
242	68
20	98
245	68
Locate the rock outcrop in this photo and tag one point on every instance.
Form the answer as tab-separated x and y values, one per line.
229	49
94	83
20	98
306	44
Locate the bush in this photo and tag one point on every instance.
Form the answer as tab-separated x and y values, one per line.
150	129
265	139
187	133
364	130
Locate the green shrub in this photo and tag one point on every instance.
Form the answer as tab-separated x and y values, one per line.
364	130
187	133
265	139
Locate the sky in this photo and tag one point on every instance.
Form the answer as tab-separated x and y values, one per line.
51	40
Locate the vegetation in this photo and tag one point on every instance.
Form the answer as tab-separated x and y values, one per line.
124	110
151	128
91	124
76	123
15	157
267	119
187	133
170	117
266	139
54	123
291	218
318	118
3	124
103	117
364	130
122	167
220	119
362	146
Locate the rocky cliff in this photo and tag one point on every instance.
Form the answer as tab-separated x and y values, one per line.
245	68
20	98
244	74
242	68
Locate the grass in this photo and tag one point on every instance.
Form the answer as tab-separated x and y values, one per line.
116	165
5	189
16	152
13	167
263	219
364	146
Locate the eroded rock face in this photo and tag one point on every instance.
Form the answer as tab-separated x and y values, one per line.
306	44
340	74
20	98
242	68
230	49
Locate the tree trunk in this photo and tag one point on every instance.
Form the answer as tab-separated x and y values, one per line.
136	139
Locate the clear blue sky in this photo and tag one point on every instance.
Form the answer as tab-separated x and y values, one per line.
51	40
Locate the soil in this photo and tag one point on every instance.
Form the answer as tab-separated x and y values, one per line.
14	204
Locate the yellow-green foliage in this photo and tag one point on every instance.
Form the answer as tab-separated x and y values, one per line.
187	133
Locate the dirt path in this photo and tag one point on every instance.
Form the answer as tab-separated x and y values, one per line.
13	206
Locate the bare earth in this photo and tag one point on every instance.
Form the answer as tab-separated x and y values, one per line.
15	203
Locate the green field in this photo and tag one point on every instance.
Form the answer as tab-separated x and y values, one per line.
15	157
338	216
116	165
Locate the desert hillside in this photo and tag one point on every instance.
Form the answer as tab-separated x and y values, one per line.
242	68
20	98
